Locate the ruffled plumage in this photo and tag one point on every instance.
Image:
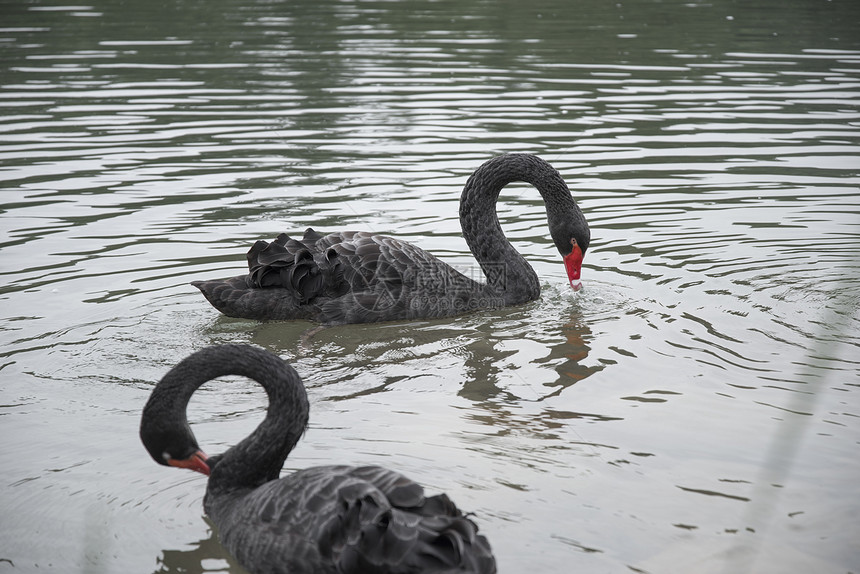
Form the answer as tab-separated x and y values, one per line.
342	277
350	520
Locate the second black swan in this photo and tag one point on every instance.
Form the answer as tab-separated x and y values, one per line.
362	277
321	520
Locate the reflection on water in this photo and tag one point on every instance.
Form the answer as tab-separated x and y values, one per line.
204	556
692	409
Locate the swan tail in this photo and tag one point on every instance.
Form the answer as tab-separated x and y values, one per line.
236	297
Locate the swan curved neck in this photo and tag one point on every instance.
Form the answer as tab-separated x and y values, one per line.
507	272
259	457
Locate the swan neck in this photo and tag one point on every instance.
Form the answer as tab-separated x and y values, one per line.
506	270
260	456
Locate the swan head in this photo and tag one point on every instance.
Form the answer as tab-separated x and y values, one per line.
173	445
571	235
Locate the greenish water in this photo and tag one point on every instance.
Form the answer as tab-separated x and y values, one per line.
693	409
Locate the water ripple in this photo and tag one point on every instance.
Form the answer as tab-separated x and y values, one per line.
718	169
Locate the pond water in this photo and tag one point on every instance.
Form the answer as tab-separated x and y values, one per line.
694	408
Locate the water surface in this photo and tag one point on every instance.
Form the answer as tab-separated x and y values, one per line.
693	408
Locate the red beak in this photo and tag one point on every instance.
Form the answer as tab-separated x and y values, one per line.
573	264
196	461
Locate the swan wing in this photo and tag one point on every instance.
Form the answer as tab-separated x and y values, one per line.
343	277
352	276
350	520
404	531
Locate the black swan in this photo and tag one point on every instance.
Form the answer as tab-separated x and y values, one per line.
323	519
362	277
